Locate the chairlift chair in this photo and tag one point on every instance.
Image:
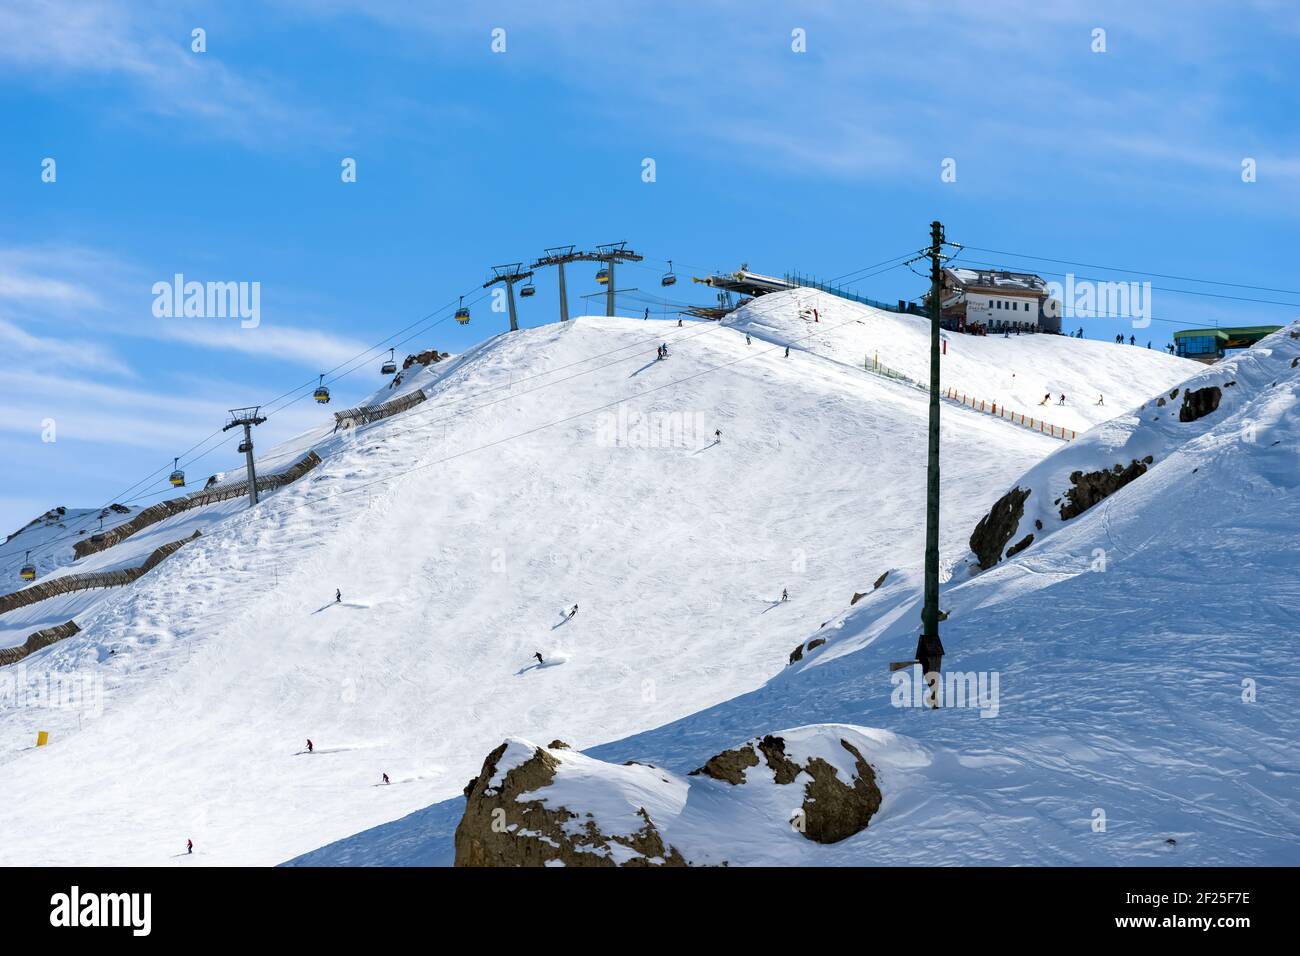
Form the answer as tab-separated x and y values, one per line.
462	313
177	477
668	277
322	394
603	276
28	570
98	536
527	289
389	367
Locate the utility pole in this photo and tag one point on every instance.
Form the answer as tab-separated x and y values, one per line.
557	256
610	253
247	417
509	274
929	648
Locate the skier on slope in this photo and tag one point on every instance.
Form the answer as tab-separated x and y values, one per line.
385	779
717	436
787	351
338	596
647	314
679	323
310	746
1046	398
1101	399
665	350
1062	401
746	338
189	846
785	594
573	611
538	655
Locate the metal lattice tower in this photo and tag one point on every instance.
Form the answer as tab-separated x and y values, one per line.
247	417
610	253
509	274
559	256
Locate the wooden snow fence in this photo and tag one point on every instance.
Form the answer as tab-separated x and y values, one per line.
91	579
365	414
36	640
165	509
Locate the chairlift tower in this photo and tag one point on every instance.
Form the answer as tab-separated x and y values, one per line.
247	417
558	256
610	253
509	274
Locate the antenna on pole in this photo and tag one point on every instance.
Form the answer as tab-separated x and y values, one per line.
247	417
509	273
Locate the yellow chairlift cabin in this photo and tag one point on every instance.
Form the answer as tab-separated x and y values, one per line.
177	477
322	394
462	313
28	571
602	277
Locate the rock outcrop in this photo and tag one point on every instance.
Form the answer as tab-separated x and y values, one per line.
552	806
1088	488
996	528
501	828
1199	402
831	809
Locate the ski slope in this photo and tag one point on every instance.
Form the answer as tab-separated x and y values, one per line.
1146	707
1015	372
551	466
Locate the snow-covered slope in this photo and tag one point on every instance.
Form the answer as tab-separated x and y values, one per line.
1134	675
549	467
1015	372
50	539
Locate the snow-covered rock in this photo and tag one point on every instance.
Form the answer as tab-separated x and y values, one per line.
549	806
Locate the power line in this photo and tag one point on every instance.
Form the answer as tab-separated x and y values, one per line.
1158	275
359	358
120	499
249	514
1211	295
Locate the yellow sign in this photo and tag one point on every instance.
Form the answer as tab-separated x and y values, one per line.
42	738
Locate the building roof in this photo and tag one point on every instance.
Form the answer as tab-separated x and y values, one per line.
1230	332
998	280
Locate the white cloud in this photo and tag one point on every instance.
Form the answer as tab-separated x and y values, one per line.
56	355
147	44
307	347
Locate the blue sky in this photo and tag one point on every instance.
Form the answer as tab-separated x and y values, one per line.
225	166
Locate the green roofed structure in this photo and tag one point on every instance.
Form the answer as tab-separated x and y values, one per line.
1210	345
